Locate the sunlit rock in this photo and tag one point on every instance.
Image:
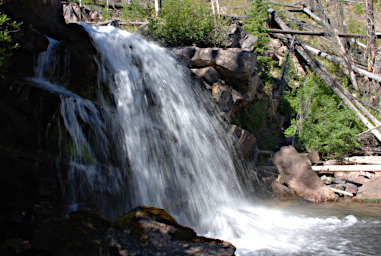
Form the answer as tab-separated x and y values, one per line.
295	171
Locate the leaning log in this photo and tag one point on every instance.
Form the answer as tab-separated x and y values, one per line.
315	65
341	62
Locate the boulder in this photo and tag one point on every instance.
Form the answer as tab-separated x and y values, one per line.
142	231
74	13
248	42
152	231
209	74
235	66
282	192
370	190
295	171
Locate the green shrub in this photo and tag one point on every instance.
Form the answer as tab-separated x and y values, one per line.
256	25
329	126
252	118
186	22
136	11
7	27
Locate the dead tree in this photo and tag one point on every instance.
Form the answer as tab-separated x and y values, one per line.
371	35
362	113
157	7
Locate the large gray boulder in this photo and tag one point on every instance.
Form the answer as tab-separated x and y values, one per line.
295	171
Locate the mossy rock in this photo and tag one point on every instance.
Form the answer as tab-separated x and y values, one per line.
130	221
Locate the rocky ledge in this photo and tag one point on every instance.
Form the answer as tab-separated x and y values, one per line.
142	231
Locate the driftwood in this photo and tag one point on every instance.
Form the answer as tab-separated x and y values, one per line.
347	168
341	192
319	33
314	64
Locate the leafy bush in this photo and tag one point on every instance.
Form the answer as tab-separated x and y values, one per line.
6	44
186	22
329	126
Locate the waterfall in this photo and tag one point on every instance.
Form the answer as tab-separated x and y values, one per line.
159	142
96	175
180	156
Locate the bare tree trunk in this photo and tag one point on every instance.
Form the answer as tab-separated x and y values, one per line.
341	92
343	52
217	7
371	35
213	7
157	7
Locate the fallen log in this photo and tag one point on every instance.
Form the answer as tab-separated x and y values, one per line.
316	66
346	168
341	62
374	160
341	192
318	33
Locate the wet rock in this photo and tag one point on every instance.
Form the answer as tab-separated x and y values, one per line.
295	171
152	231
370	190
142	231
282	192
246	140
209	74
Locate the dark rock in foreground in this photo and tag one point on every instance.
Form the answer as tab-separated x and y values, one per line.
142	231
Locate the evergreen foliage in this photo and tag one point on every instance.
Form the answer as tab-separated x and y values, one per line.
327	126
256	25
186	22
6	44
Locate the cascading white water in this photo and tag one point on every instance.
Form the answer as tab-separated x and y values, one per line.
178	159
174	153
94	178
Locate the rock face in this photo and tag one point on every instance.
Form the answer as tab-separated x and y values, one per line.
236	66
245	142
295	171
370	190
75	13
142	231
44	17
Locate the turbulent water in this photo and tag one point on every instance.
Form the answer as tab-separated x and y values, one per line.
159	143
